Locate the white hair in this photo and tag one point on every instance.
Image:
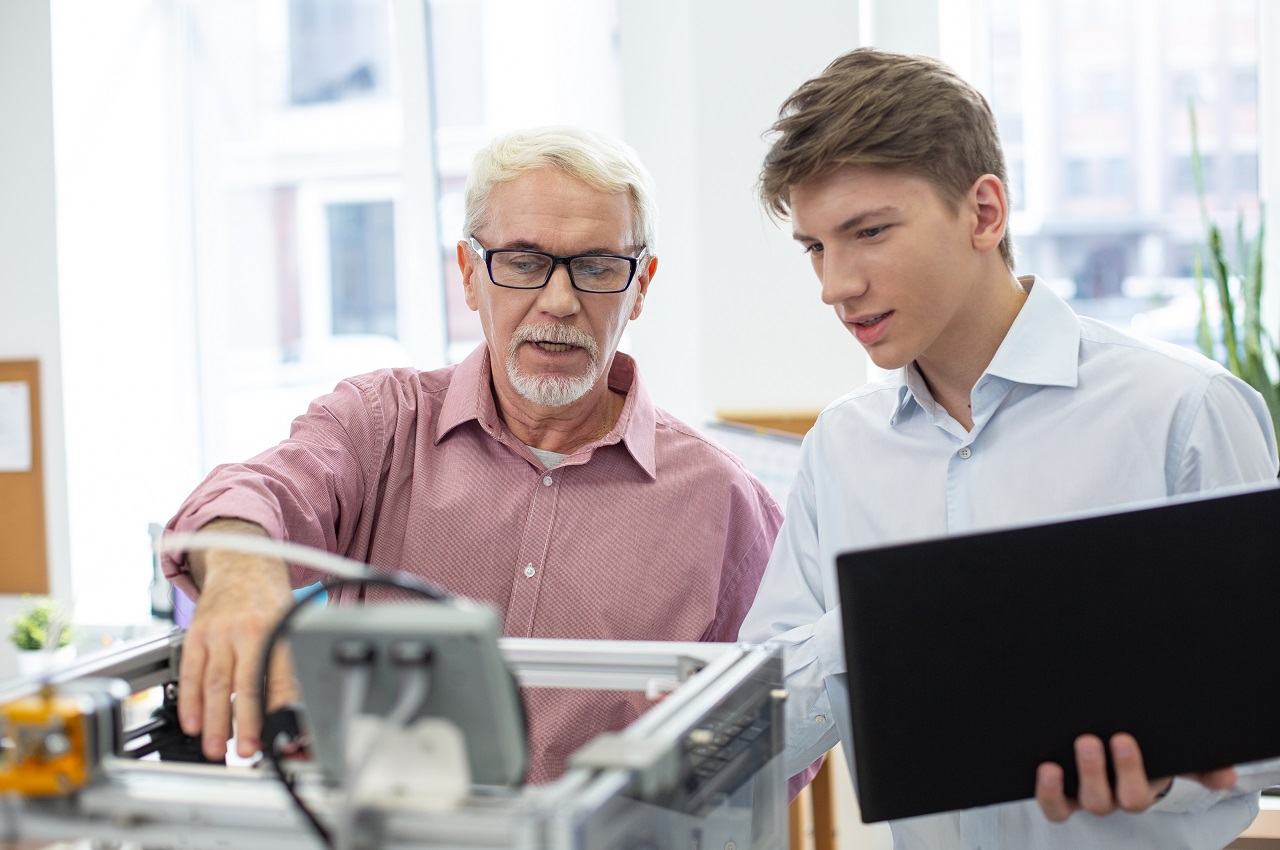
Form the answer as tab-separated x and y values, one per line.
597	160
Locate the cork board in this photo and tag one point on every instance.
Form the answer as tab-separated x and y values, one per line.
23	557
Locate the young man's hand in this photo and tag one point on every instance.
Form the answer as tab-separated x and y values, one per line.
1133	792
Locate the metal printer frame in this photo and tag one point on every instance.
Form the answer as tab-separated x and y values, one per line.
701	769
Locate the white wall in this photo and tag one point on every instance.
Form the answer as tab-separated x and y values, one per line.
734	319
904	26
28	248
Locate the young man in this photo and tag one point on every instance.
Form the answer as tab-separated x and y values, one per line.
1005	408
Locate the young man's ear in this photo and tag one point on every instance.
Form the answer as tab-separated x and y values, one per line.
989	204
468	263
644	276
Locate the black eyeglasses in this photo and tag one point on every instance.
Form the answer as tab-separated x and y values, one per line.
516	268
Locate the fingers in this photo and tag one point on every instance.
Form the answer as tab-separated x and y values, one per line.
190	680
218	678
213	668
1050	795
247	687
1134	792
282	689
1217	780
1091	761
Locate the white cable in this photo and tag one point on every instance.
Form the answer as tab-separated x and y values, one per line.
254	544
355	685
413	694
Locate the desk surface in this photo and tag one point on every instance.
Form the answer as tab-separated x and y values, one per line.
1267	823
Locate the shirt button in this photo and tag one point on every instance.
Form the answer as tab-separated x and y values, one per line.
529	571
820	718
965	453
546	481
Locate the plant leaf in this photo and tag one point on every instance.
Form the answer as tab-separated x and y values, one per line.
1204	336
1222	277
1251	295
1217	256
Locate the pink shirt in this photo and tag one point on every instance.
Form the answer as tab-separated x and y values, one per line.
650	533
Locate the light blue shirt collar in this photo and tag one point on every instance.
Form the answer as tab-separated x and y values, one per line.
1042	348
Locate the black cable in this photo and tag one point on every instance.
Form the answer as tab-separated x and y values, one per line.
399	581
148	728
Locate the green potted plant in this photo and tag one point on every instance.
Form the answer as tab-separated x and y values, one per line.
1246	346
41	634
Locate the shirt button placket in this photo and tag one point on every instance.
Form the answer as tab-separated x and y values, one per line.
958	472
533	548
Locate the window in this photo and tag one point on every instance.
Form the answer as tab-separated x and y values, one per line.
1115	176
498	67
1076	181
362	268
1182	178
338	50
1244	172
285	191
1244	85
1017	174
1109	214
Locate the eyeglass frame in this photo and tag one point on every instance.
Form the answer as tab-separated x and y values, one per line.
486	254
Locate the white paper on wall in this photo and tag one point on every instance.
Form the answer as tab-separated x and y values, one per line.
15	426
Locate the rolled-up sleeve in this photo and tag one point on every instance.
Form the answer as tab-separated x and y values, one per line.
309	489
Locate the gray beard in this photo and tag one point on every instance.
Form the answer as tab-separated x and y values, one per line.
551	390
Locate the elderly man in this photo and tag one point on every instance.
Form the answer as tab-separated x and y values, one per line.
536	476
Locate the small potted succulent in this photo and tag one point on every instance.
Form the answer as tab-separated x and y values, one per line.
42	636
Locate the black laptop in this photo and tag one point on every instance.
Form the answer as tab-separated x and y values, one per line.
972	659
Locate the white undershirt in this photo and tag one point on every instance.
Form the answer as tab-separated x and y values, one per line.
549	459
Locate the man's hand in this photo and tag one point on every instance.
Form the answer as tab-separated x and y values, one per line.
1134	792
241	598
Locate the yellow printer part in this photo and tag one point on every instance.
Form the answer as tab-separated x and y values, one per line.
52	742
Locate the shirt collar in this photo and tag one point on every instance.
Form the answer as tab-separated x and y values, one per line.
911	393
1042	348
470	396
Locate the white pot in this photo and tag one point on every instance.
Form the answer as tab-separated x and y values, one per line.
33	662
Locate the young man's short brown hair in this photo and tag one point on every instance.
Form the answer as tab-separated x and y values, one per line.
889	110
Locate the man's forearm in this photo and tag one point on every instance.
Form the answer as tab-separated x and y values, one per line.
206	564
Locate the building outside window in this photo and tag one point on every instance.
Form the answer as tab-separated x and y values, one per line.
1091	100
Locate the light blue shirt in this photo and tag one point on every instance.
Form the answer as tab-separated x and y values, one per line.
1070	416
